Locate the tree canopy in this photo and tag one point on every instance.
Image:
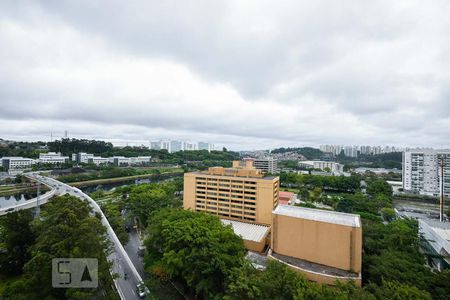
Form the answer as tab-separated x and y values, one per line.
65	229
194	248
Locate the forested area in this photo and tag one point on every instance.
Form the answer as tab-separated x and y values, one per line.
307	152
332	183
101	148
25	149
385	160
66	228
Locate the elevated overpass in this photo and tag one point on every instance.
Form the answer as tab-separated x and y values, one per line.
121	263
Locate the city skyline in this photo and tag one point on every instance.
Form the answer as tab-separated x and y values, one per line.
300	73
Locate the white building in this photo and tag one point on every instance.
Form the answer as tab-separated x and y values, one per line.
176	146
127	161
52	158
17	163
421	172
165	145
140	160
119	160
155	145
267	165
82	158
334	167
205	146
189	146
97	160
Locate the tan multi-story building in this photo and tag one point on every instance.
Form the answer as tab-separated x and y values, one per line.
239	193
325	246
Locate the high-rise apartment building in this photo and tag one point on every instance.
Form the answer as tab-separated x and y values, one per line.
421	171
190	146
267	165
155	145
205	146
239	193
176	146
165	145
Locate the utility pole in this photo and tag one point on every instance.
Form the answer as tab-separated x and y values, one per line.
441	203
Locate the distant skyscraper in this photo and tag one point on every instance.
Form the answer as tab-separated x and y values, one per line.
176	146
165	145
205	146
189	146
155	145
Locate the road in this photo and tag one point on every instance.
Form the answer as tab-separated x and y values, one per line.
127	288
132	250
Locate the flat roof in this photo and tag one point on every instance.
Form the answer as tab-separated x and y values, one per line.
285	194
232	177
249	232
319	215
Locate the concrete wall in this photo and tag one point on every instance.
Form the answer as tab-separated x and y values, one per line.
323	243
319	277
189	191
267	199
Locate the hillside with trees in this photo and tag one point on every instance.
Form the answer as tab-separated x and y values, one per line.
308	152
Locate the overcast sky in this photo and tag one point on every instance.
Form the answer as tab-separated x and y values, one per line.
245	74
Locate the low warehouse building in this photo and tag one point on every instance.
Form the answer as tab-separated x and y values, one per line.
323	245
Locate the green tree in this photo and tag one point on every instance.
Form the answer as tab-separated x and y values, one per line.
395	290
278	281
66	228
316	194
16	236
194	248
112	211
146	199
379	186
388	213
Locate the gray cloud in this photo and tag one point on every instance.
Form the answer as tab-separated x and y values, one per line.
271	73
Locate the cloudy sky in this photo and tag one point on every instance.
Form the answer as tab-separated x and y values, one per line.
245	74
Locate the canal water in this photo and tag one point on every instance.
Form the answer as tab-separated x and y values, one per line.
6	201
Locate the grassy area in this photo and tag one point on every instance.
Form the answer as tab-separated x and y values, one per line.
125	178
15	191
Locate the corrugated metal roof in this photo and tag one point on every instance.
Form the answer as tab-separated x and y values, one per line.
247	231
318	215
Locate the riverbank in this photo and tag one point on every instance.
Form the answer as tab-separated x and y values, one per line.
420	198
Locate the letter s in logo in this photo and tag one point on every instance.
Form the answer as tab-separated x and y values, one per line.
67	273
